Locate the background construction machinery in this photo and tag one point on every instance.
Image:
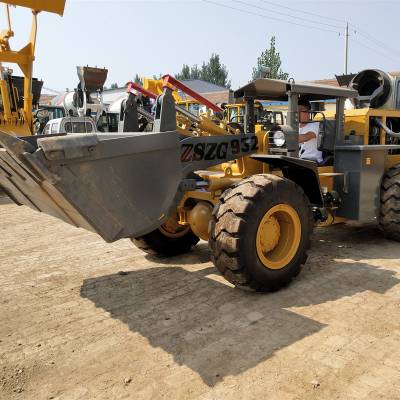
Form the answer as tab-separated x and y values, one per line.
17	119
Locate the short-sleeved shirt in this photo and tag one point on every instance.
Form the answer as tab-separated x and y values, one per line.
309	150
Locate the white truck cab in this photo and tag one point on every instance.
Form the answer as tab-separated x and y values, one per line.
70	125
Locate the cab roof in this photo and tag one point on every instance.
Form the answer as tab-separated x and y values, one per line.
274	89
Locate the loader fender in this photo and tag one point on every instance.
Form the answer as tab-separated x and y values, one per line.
303	172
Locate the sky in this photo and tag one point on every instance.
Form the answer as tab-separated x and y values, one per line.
157	37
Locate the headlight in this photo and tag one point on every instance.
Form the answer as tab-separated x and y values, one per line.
279	138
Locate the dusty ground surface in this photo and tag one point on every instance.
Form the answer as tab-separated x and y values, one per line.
82	319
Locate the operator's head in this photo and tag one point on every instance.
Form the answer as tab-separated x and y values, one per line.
304	110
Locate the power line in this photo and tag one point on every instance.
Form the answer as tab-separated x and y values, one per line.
287	15
303	12
374	50
269	17
366	35
374	40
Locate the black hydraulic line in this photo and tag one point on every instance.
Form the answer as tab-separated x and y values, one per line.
380	124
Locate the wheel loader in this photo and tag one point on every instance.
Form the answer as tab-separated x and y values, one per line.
256	206
249	194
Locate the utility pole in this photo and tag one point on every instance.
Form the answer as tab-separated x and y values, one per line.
346	47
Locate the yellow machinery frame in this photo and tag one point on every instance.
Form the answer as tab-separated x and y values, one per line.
225	175
13	120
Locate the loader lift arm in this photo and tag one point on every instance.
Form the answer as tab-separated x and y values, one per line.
202	125
24	58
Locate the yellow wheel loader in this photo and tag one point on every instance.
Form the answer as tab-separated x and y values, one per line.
249	194
171	187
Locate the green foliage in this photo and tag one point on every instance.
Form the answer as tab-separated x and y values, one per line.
138	80
189	72
215	72
184	74
272	59
212	71
114	86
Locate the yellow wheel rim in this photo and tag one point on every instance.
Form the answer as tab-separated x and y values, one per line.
172	229
278	236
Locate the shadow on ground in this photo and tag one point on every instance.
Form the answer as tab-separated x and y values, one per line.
199	255
354	240
217	330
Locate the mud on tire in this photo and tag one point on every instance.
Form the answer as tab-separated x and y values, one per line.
234	226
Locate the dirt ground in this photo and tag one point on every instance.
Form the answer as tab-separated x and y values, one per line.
82	319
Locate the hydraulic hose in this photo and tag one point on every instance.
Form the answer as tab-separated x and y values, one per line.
388	131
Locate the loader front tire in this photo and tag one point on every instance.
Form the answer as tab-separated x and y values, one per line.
260	233
389	218
168	240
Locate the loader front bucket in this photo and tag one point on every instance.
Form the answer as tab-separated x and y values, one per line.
118	186
92	79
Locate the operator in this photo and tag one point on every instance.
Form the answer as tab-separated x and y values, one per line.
308	132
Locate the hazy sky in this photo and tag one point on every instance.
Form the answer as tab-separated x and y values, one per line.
152	37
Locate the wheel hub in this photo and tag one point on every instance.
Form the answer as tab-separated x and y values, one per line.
278	236
171	228
270	232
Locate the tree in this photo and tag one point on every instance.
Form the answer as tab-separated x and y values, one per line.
215	72
138	80
184	74
271	59
212	71
114	86
189	72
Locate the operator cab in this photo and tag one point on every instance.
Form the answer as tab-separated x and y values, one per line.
263	116
283	139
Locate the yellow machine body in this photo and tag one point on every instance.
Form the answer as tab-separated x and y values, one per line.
156	86
53	6
225	175
359	122
13	119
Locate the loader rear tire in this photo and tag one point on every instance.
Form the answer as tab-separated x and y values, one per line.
260	232
168	240
389	218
